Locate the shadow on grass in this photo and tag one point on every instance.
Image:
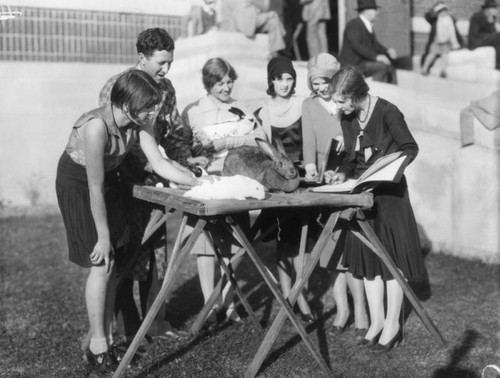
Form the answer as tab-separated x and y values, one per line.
458	354
163	361
321	330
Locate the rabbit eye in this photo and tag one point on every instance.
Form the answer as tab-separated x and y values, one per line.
281	164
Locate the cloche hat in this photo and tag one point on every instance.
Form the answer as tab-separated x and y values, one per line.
321	65
280	65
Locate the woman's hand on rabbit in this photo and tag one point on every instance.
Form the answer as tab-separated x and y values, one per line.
208	178
200	161
333	177
340	145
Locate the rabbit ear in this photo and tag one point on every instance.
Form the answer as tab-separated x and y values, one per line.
267	148
279	145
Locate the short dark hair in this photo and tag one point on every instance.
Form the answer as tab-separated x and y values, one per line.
349	82
214	71
137	89
154	39
270	86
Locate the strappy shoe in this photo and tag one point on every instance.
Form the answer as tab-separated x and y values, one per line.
102	362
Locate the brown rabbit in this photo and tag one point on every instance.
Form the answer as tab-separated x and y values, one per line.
264	163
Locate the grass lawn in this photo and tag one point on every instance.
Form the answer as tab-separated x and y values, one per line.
43	317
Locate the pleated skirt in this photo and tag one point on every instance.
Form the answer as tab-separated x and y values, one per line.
74	203
393	221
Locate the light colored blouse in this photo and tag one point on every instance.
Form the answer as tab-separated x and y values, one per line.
318	127
211	119
119	141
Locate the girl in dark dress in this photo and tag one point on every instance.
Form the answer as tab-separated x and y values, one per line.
281	118
373	127
90	199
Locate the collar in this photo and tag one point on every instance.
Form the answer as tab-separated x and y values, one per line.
287	115
367	23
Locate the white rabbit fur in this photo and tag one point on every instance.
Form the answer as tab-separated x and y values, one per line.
230	187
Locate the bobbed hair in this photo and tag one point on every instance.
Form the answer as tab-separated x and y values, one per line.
270	85
154	39
137	90
349	82
214	71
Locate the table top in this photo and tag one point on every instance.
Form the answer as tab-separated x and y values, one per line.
174	198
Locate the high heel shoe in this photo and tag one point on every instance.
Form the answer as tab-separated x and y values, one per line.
337	329
394	342
359	335
308	318
371	342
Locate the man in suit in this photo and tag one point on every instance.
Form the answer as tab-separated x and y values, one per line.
482	29
362	49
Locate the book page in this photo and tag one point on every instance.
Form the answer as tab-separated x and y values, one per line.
388	173
379	164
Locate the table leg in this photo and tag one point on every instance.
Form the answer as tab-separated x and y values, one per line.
200	318
285	309
373	242
173	268
302	247
234	284
235	261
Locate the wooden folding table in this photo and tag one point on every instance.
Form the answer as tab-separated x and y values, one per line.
222	212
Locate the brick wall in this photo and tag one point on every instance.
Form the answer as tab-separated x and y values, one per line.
43	34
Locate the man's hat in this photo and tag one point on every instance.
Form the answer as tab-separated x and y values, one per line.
366	4
490	4
439	6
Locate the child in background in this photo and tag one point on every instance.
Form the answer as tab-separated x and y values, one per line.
442	38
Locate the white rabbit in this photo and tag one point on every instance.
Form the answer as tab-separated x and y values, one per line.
230	187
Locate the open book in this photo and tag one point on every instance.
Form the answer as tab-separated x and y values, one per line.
387	168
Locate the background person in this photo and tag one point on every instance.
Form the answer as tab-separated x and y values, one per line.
89	193
443	37
201	18
372	128
362	49
232	117
247	17
316	14
483	29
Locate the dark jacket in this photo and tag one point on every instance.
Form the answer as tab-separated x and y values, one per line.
479	29
359	44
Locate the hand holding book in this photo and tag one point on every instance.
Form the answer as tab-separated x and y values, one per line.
387	168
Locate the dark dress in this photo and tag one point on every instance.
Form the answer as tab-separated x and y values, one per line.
391	216
73	194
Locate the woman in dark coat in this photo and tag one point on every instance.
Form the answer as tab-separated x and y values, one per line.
372	128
